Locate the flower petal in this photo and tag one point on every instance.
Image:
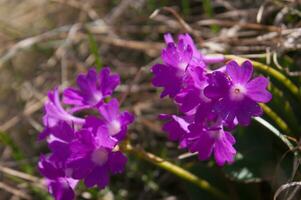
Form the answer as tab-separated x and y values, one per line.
239	74
256	90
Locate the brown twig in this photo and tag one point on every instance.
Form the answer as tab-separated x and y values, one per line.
14	191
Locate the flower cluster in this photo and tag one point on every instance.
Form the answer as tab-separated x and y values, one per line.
211	102
83	146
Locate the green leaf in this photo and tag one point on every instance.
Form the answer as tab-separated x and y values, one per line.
275	131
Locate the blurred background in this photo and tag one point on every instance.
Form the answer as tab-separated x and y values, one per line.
45	43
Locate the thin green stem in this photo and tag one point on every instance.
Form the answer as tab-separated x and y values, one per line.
176	170
272	72
276	118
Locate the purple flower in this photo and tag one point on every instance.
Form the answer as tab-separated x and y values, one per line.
237	96
92	88
83	148
92	159
208	101
115	122
54	111
60	186
206	136
208	140
176	58
192	94
167	77
177	128
198	58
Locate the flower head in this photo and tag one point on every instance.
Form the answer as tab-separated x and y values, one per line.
211	102
54	111
92	88
60	186
83	148
237	96
92	159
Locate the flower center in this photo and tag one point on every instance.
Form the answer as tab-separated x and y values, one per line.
237	92
99	156
96	97
114	127
183	65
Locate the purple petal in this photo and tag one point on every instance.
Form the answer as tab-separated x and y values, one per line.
227	109
60	151
44	134
248	109
218	85
110	111
177	56
48	169
203	144
188	41
104	139
87	82
61	190
72	96
239	74
117	162
168	78
223	150
99	176
168	38
188	99
63	131
176	128
81	167
127	118
108	83
256	90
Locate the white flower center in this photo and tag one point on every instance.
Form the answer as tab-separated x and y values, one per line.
97	96
237	92
114	127
183	65
99	156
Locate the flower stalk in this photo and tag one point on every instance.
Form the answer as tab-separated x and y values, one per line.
175	169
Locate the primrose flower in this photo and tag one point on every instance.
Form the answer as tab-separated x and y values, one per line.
60	186
92	88
83	148
115	122
192	94
180	63
210	102
177	128
215	140
92	159
176	58
54	111
237	95
206	136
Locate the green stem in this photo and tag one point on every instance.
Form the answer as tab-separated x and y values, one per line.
278	120
272	72
176	170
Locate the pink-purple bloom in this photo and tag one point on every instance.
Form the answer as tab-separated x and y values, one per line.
211	102
83	148
237	96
